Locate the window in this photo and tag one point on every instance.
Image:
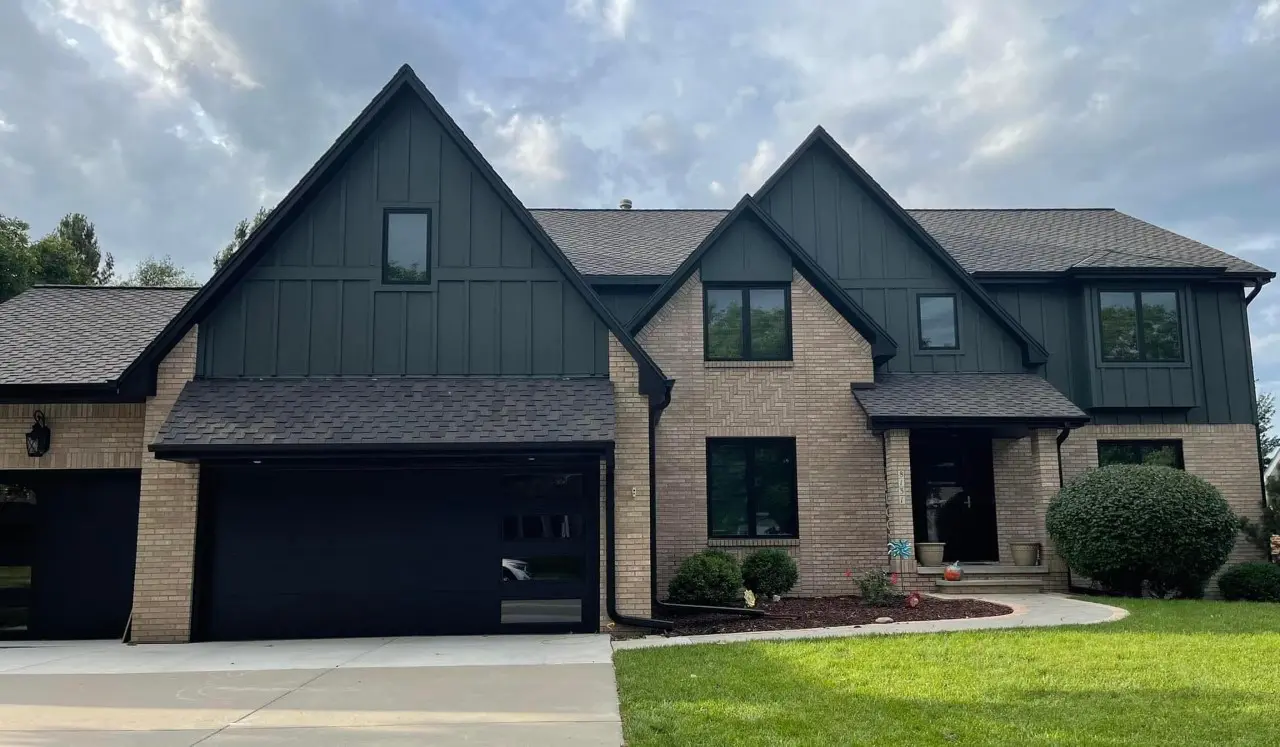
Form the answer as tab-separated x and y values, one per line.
1139	326
1161	453
751	487
406	246
938	328
747	324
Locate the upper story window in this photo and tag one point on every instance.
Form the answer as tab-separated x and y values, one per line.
1140	326
406	245
747	323
751	487
1160	453
939	325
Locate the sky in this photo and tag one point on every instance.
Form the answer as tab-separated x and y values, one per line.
167	121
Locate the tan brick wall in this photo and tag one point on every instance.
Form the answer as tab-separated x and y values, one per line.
631	486
84	436
1225	455
1026	479
165	569
840	468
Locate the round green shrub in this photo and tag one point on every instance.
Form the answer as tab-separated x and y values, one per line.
709	577
1253	582
1142	528
770	572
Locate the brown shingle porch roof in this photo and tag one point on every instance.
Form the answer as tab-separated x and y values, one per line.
381	415
966	399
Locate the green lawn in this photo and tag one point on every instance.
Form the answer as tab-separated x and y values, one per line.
1171	673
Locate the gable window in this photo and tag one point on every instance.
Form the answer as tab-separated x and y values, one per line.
1139	326
747	323
1160	453
939	327
751	487
406	246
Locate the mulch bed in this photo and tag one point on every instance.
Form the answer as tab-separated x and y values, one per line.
824	612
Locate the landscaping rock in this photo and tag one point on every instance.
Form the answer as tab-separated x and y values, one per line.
883	620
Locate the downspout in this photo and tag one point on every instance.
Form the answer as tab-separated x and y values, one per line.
1062	436
1257	288
611	570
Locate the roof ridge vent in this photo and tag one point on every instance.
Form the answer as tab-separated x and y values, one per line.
624	203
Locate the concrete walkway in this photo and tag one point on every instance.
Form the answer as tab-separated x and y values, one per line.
1029	611
529	690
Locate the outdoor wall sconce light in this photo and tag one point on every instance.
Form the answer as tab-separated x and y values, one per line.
38	436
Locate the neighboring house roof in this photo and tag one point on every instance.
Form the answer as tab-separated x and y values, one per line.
384	415
655	242
882	344
957	398
652	380
66	336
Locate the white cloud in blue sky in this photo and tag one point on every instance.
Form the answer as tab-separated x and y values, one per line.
166	121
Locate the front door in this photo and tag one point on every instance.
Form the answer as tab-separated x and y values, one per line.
953	493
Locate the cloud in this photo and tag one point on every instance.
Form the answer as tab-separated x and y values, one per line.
613	16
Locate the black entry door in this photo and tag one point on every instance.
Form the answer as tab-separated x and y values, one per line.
301	552
69	543
953	493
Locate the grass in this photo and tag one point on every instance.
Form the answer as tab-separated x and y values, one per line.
1171	673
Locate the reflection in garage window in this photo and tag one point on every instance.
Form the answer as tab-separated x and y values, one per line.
541	610
543	485
543	568
17	547
544	526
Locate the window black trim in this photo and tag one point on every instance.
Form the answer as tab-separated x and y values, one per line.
747	445
386	225
1139	443
955	322
746	289
1139	335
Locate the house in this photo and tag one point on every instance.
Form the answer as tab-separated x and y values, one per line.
410	405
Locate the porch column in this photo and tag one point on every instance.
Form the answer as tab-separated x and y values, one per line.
1026	479
897	480
1045	485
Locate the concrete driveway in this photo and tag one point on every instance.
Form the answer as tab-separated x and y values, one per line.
527	690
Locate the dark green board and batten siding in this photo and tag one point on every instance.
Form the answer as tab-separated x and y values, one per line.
1212	385
315	305
882	267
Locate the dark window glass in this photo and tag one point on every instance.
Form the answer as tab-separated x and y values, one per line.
543	568
938	328
724	324
543	485
407	250
542	526
751	487
747	324
1140	326
541	611
1161	453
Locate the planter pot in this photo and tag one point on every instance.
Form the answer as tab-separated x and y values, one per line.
1025	553
930	553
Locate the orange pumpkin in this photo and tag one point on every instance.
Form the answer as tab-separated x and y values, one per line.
952	573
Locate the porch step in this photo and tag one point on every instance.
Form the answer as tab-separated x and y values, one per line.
990	586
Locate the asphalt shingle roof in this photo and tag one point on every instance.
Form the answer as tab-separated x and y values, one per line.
81	334
1006	396
351	412
655	242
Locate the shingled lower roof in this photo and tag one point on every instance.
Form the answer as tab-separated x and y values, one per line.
80	335
977	398
655	242
265	415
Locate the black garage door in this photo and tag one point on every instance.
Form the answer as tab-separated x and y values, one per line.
301	552
68	540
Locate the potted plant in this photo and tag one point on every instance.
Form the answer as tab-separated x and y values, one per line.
1025	553
929	554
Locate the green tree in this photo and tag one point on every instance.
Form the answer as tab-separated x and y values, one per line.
1268	441
78	232
16	263
240	235
160	272
58	262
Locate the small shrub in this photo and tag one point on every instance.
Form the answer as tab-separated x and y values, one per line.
770	572
1141	528
879	589
709	577
1254	582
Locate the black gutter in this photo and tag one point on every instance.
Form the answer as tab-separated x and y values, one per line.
1257	288
611	570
